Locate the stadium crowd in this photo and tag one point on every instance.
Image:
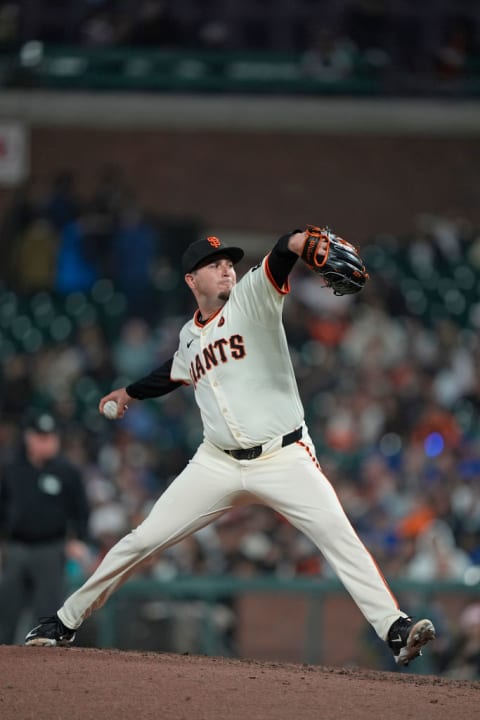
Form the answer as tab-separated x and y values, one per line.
399	38
389	378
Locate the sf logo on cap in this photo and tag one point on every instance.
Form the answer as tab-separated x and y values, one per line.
214	242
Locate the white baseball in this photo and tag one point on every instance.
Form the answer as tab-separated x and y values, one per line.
110	409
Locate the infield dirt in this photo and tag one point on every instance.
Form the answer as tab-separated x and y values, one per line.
89	684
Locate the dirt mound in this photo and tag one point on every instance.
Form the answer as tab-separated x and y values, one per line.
82	684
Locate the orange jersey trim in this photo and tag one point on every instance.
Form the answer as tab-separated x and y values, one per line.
282	290
212	317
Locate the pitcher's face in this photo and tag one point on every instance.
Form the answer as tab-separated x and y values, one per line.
213	280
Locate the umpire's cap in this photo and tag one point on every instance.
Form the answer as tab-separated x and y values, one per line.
202	250
41	421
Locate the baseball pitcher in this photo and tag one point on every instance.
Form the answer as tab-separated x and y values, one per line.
256	447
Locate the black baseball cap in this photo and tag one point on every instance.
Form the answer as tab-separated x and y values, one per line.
41	422
206	249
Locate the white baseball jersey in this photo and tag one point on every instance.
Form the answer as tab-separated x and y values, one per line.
240	367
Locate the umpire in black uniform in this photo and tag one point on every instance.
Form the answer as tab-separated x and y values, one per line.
43	504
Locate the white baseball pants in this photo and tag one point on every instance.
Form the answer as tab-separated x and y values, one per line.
290	481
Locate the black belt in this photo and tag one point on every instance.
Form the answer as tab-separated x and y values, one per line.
254	452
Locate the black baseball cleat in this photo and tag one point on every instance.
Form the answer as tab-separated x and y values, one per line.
50	632
406	638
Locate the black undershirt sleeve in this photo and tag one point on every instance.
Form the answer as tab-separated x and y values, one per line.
156	384
281	260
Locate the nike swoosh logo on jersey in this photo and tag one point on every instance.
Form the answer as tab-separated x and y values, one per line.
397	639
189	343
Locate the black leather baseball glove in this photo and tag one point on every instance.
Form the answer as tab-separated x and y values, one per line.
340	266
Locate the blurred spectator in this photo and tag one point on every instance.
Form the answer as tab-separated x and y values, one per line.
134	254
109	521
435	428
61	204
94	352
134	349
77	264
16	386
199	554
109	192
19	214
327	58
214	34
436	556
34	258
460	660
43	506
99	29
456	50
